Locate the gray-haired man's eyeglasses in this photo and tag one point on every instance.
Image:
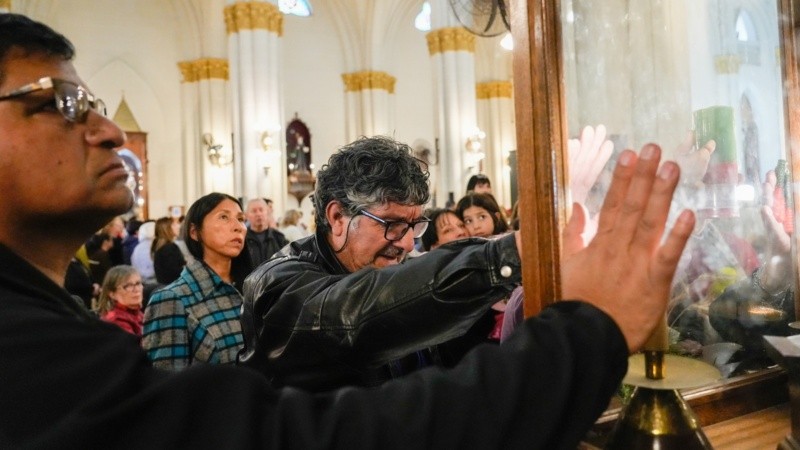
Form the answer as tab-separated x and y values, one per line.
394	230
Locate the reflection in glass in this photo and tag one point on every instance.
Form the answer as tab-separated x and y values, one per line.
703	80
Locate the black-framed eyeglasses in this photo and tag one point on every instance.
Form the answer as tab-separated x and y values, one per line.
130	287
73	101
394	230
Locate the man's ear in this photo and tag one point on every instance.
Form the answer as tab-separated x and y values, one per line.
335	214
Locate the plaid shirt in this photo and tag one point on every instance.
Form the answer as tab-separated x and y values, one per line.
194	319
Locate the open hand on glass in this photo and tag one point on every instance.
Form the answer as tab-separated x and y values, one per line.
625	270
587	157
776	271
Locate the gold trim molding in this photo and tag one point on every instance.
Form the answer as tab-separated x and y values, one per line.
5	4
727	64
450	40
203	69
360	81
493	89
253	16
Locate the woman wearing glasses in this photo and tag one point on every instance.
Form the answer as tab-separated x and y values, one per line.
195	319
121	299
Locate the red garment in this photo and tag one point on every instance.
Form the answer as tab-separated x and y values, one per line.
129	320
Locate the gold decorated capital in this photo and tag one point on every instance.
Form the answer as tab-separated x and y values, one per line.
5	5
727	64
360	81
204	69
450	40
493	89
253	16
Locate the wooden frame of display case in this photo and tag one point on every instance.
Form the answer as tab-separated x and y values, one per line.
541	141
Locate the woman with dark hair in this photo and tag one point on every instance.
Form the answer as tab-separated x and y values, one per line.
446	227
481	215
195	319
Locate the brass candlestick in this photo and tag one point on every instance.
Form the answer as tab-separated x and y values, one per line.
657	417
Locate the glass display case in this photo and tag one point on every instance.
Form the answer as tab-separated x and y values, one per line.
714	83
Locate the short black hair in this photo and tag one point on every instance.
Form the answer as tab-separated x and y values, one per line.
21	33
368	172
477	179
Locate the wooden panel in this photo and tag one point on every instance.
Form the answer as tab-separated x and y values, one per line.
760	430
541	131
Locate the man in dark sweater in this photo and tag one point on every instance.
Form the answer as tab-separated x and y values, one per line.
263	240
69	380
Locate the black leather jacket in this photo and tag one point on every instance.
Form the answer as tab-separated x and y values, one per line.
309	323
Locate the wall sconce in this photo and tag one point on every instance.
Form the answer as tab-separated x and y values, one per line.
271	147
473	146
216	153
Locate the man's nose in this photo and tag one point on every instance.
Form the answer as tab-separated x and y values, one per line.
102	132
407	241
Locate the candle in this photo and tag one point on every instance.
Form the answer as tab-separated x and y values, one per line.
654	350
716	123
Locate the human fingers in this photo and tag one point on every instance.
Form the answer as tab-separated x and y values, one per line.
615	197
598	139
685	147
572	236
654	295
779	240
768	189
638	196
580	152
602	156
650	228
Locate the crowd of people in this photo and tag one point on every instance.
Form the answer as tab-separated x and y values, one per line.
337	339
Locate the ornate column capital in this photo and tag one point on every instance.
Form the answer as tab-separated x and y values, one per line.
493	89
450	40
203	69
253	16
360	81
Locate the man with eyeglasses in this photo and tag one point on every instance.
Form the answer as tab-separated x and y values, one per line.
71	381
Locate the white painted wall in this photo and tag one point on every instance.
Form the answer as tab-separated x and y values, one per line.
133	47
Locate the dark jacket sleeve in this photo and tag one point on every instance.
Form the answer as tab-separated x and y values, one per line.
71	383
297	316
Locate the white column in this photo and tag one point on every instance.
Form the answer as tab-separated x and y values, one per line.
496	119
369	100
205	109
254	31
452	50
456	114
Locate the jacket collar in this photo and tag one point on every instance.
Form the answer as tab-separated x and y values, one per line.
19	275
315	248
207	280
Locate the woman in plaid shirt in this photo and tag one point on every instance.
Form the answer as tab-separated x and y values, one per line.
196	318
